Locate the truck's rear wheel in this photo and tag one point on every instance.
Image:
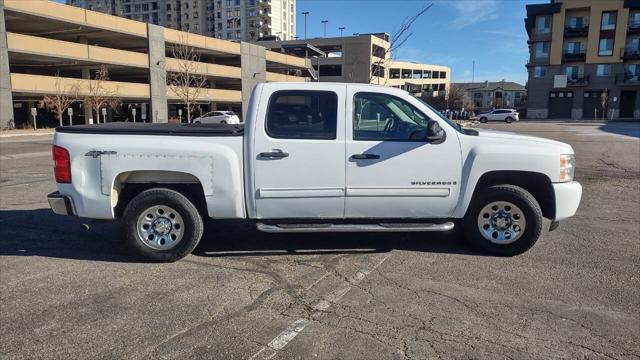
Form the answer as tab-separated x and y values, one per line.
162	225
504	220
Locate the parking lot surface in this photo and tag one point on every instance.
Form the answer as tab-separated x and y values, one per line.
69	293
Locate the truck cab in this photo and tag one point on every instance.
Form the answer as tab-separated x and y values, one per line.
318	157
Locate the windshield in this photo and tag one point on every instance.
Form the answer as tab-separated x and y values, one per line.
453	124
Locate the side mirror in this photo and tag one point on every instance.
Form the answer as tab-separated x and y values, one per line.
435	133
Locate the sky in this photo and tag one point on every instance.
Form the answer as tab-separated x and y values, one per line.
453	33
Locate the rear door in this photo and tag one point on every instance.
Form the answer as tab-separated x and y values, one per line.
299	153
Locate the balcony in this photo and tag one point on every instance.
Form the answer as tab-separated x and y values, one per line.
574	56
629	54
580	80
581	31
627	79
634	28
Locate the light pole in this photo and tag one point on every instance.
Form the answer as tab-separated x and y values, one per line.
305	13
341	28
325	26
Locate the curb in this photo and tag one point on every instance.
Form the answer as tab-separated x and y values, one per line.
39	133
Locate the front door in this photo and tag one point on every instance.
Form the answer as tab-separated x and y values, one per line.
392	171
627	104
299	154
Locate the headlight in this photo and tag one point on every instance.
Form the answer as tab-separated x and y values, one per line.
567	167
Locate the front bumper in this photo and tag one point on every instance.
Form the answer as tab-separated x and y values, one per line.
61	204
568	195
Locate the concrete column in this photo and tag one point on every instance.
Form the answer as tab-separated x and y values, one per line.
86	74
254	70
157	74
6	100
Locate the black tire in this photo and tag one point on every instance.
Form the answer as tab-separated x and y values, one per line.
192	227
483	120
517	196
509	120
223	122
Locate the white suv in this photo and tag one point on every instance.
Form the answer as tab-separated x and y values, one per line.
218	117
508	115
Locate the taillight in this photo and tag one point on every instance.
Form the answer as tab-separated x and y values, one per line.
62	167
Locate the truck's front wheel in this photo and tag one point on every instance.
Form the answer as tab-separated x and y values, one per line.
504	220
162	225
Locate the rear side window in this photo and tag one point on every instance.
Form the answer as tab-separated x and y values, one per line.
297	114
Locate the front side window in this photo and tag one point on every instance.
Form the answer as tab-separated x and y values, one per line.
542	50
298	114
605	47
383	117
543	24
608	21
603	70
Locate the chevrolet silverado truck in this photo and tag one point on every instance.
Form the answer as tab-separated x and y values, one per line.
315	157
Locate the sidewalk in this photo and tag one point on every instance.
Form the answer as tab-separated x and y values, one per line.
25	132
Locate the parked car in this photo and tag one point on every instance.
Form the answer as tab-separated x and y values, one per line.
508	115
315	157
218	117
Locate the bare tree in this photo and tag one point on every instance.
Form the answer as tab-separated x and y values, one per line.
100	95
456	97
62	99
399	36
185	81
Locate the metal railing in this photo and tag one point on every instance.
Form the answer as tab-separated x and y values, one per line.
627	53
628	79
576	30
580	80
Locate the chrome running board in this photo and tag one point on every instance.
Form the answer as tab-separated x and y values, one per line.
384	227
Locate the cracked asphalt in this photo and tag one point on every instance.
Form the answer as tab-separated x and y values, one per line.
68	293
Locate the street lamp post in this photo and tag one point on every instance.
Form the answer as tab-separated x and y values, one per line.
341	28
325	26
305	13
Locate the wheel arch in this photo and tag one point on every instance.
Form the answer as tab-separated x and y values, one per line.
537	184
127	185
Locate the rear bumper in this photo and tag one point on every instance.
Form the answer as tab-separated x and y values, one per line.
61	204
568	197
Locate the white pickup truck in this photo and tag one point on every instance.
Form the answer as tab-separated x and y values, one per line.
315	157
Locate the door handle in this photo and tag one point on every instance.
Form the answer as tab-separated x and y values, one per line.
275	154
365	156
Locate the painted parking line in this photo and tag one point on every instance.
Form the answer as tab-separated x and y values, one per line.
285	337
25	155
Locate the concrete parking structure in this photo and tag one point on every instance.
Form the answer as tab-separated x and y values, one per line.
45	38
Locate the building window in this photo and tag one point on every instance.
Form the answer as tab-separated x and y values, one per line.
168	7
543	24
572	72
606	47
608	21
539	71
634	20
573	48
542	50
575	22
603	70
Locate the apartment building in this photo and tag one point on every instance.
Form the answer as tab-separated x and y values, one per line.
584	54
47	48
250	20
239	20
365	58
490	95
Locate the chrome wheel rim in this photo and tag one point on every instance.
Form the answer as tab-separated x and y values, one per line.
160	227
501	222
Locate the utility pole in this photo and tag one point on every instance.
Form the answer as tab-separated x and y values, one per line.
305	13
325	26
341	28
473	72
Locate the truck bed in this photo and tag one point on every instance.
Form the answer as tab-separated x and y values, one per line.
123	128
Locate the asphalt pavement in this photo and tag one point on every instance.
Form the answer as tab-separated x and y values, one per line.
69	293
